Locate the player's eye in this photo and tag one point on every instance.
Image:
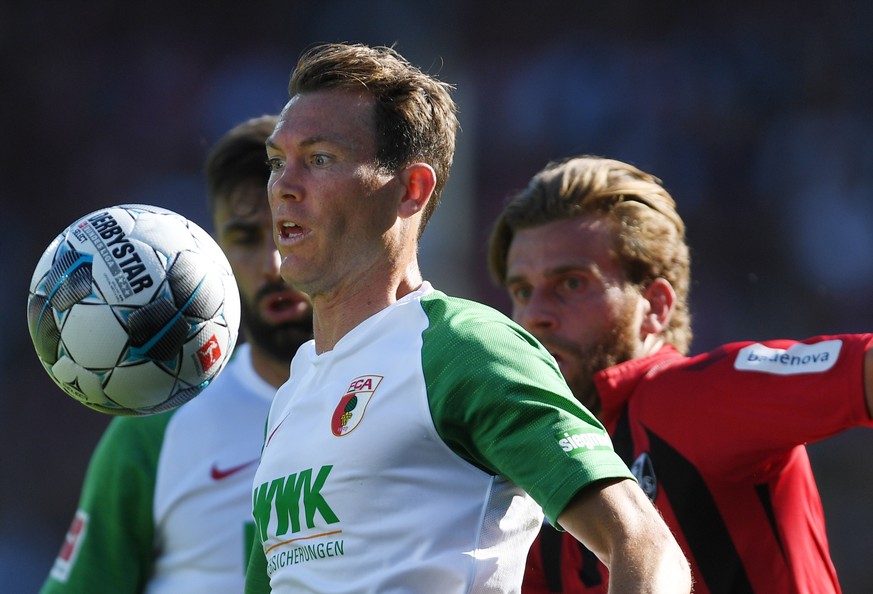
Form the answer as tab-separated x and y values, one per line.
574	284
519	293
275	163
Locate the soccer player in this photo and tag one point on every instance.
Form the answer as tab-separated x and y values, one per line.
166	503
594	257
400	454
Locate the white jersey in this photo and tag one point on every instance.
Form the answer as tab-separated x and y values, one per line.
202	505
166	505
386	461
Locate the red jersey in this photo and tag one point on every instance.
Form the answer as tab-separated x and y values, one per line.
717	442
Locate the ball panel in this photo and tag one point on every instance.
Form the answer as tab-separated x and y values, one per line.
181	397
196	285
93	337
69	279
45	261
132	278
231	310
44	331
82	384
157	331
154	385
166	233
206	352
212	251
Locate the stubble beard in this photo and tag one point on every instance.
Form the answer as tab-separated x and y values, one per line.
617	346
279	341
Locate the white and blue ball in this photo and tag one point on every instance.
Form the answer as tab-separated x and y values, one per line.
133	310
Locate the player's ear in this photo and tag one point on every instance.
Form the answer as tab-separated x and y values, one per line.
662	299
419	180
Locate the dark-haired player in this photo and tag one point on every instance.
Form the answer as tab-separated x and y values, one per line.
166	503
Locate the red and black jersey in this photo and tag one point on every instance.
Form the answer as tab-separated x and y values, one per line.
717	442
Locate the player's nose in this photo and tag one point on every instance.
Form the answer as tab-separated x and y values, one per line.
537	314
284	184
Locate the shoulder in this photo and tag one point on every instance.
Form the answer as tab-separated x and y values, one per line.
139	429
130	442
461	326
471	348
442	307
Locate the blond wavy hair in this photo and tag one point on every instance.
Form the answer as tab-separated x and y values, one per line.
649	236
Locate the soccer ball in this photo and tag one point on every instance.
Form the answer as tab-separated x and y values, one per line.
133	310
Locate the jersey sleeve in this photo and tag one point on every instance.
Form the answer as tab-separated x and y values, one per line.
499	401
819	380
110	544
747	404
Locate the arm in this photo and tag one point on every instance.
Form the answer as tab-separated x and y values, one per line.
113	551
621	526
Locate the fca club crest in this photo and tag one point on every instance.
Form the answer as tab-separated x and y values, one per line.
350	410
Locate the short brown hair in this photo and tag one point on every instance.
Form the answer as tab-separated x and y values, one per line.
650	235
239	157
416	118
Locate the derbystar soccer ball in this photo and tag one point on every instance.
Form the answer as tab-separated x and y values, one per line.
133	310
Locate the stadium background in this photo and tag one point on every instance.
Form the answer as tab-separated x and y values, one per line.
758	116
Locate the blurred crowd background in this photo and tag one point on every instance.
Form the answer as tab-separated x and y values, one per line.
758	116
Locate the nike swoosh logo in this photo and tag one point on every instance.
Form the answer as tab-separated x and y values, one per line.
222	473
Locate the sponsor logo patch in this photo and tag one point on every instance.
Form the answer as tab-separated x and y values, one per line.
70	549
350	411
799	358
291	504
582	441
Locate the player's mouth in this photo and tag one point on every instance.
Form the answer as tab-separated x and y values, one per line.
283	306
288	232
